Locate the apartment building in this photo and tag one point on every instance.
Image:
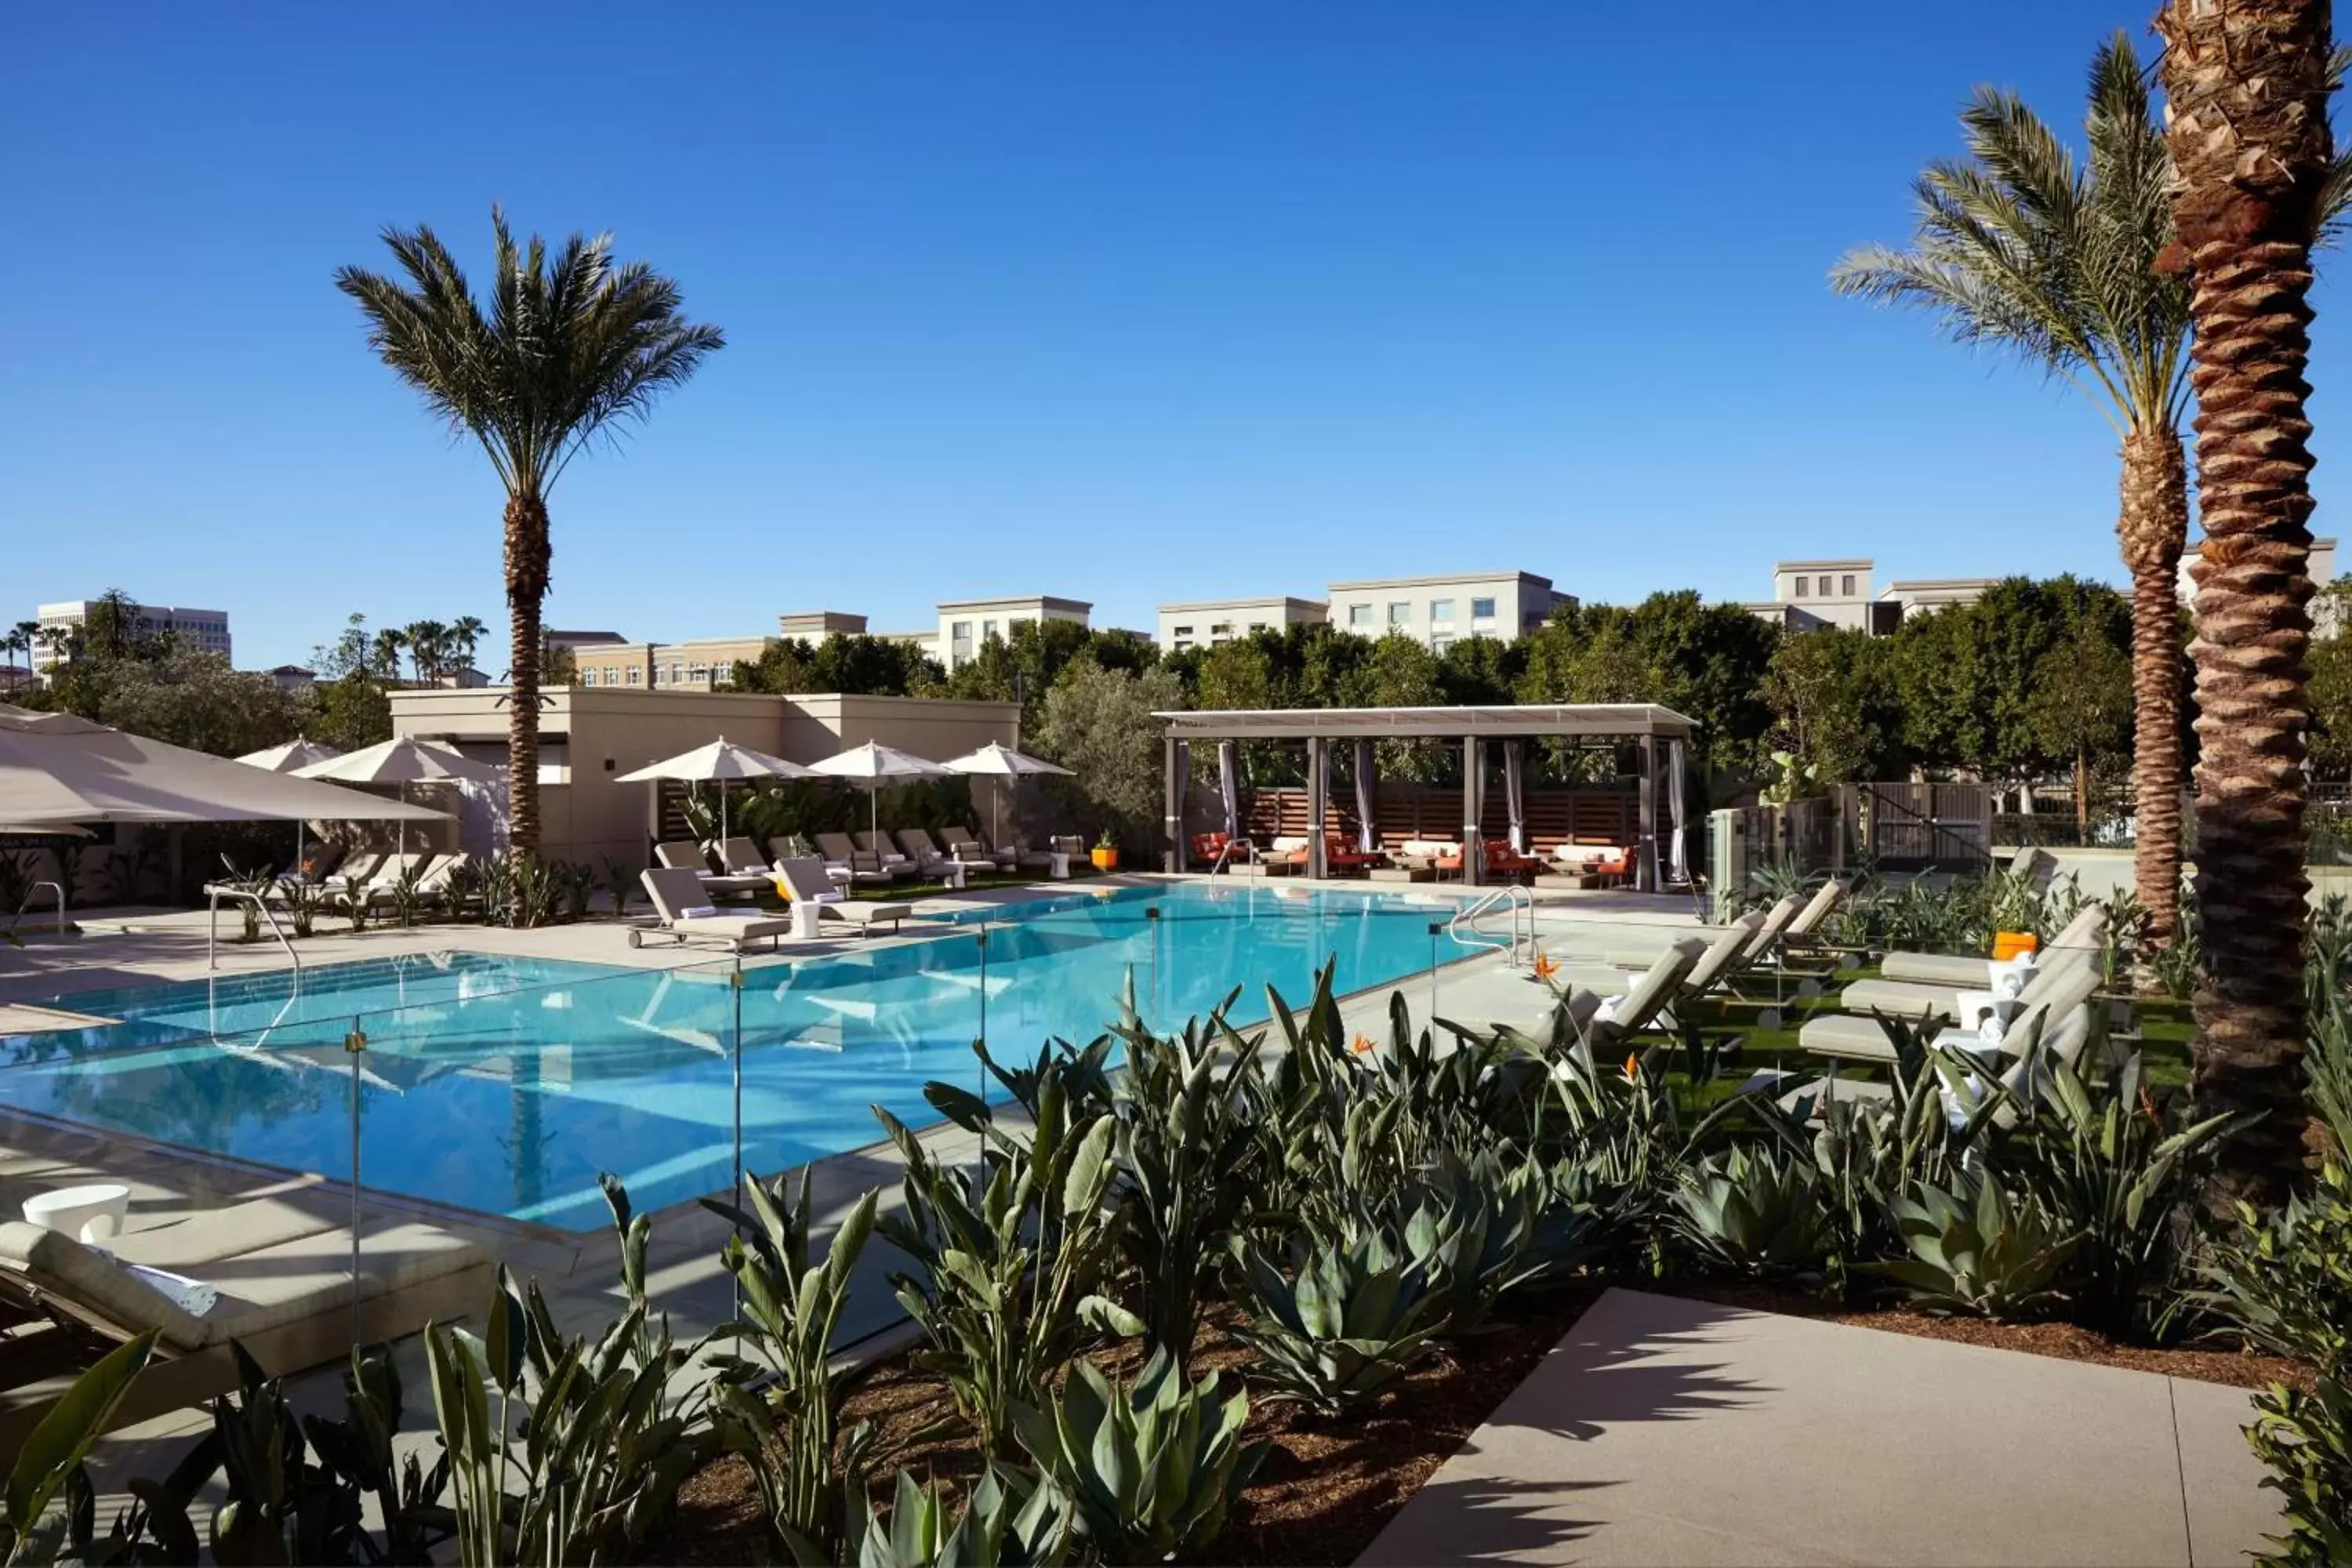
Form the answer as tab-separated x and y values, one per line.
816	626
1208	622
699	664
206	629
1440	611
1808	595
966	624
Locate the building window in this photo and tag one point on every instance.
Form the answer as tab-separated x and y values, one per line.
699	673
1179	633
961	632
1440	643
634	673
1825	587
1849	586
1359	614
677	672
1800	586
987	630
1482	609
1441	612
1399	612
1221	628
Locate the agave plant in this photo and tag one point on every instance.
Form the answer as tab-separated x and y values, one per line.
1758	1210
1354	1318
1009	1521
1013	1256
781	1407
1978	1249
1147	1473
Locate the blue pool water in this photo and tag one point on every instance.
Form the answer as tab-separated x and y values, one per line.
506	1084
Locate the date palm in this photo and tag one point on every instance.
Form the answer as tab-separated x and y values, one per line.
385	655
2247	83
2019	247
561	349
465	638
428	650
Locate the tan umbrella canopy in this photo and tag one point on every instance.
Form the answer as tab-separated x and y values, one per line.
402	761
116	776
871	766
998	761
293	756
716	763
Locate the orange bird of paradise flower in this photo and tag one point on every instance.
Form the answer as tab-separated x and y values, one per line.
1633	1067
1361	1045
1545	967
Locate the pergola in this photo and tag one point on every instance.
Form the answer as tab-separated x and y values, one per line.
1644	723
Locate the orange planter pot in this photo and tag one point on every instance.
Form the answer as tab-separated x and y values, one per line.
1105	860
2008	944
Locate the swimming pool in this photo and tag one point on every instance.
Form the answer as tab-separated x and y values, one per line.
504	1085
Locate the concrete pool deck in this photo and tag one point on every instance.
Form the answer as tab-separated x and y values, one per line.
1668	1431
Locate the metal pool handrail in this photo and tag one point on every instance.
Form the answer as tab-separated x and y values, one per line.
30	894
215	892
1464	927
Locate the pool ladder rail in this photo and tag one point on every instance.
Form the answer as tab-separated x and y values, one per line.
35	891
1465	929
216	892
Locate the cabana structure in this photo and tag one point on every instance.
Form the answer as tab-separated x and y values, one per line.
1660	736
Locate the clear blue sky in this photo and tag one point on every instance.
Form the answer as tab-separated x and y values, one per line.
1128	303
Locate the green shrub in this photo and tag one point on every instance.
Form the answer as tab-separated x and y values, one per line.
1978	1249
1349	1319
1013	1256
1145	1473
781	1407
2306	1441
1758	1210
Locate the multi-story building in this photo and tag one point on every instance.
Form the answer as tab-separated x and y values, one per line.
204	629
1439	611
1208	622
699	664
816	626
1808	595
966	624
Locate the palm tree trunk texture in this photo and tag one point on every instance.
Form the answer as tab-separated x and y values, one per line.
2153	526
2247	84
527	554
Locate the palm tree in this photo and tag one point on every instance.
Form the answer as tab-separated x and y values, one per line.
428	650
2019	247
385	656
465	638
2247	83
569	347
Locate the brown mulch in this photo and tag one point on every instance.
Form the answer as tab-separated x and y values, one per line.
2235	1368
1329	1485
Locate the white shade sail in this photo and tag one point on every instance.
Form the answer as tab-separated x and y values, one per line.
998	761
873	763
402	761
121	777
291	757
716	762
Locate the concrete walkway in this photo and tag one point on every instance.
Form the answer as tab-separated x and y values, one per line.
1666	1431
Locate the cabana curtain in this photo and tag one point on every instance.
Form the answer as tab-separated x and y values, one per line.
1368	837
1515	795
1229	784
1678	850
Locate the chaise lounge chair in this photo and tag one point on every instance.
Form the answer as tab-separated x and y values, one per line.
2085	930
685	854
679	905
1860	1033
861	866
972	851
1645	997
804	877
281	1270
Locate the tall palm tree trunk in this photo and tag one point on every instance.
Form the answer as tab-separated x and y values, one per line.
2247	84
527	553
2153	526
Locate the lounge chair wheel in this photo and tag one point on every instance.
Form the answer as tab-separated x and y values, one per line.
637	939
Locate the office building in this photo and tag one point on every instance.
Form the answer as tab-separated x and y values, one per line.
203	629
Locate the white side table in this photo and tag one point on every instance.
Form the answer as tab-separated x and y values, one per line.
92	1213
806	912
1061	867
954	875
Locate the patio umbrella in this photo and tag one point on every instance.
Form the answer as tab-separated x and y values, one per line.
54	767
286	758
402	761
1001	762
871	766
716	763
